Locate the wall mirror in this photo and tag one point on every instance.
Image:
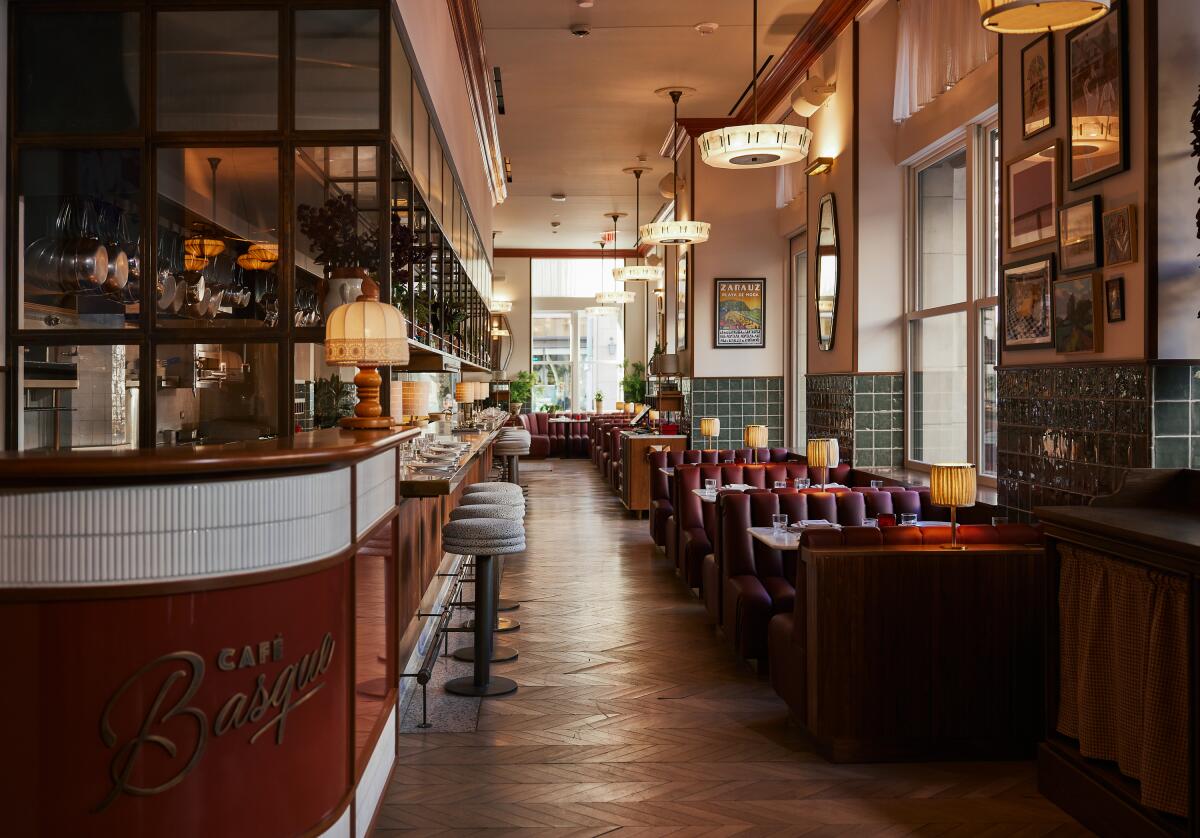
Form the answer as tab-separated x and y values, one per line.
827	272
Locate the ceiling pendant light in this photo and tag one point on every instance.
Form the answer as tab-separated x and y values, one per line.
637	273
675	232
1017	17
758	145
608	298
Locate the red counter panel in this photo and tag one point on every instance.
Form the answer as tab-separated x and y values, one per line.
222	712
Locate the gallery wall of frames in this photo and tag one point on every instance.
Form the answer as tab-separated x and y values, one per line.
191	190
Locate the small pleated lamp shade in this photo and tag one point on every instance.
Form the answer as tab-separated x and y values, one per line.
464	391
482	391
366	333
952	484
414	398
710	427
755	436
653	416
620	407
822	453
630	407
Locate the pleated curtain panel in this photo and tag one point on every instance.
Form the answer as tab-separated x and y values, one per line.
938	43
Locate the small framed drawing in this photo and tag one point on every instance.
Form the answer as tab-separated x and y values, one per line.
1037	86
1077	323
1026	303
1079	235
1033	196
1119	233
1098	98
1114	299
741	319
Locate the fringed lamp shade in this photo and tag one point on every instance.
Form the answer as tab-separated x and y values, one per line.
1013	17
755	436
710	427
822	453
952	484
366	334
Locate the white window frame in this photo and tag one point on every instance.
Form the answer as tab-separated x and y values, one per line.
973	138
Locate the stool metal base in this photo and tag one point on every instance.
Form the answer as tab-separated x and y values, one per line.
500	653
508	605
494	686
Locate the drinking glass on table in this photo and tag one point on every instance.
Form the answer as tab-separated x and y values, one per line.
710	486
997	520
803	482
779	522
871	522
908	519
781	484
876	484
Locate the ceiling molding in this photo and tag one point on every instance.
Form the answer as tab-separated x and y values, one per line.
694	126
821	30
468	35
564	253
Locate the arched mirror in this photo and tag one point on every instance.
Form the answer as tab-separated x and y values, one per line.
827	272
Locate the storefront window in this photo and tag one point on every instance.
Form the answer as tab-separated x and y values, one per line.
218	240
218	70
337	69
65	84
210	393
79	231
78	396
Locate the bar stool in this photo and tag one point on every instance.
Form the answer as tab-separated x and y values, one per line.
511	445
485	539
503	503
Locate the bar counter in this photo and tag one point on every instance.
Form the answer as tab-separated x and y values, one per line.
214	636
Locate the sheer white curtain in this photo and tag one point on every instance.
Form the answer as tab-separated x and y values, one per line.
938	42
789	183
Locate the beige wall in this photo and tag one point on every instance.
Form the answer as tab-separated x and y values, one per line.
432	40
515	287
1125	340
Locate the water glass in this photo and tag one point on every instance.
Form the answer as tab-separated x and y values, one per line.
876	484
781	484
871	522
997	520
908	519
779	522
803	482
710	486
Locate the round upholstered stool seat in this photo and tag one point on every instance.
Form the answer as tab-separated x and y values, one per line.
512	512
499	488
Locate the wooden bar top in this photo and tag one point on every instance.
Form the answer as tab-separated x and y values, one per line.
416	485
308	451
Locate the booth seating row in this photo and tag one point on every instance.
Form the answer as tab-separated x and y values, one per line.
560	439
889	647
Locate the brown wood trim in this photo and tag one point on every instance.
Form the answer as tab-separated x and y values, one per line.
128	590
364	757
323	825
564	253
468	35
826	23
694	126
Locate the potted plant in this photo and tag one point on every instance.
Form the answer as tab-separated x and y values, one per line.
333	400
633	383
599	400
336	241
520	390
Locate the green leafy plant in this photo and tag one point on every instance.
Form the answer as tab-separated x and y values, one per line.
633	382
520	389
599	396
333	399
546	408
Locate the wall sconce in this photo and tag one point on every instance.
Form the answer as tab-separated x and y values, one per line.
810	95
501	306
819	166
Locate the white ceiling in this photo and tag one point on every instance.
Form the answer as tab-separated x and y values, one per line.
579	110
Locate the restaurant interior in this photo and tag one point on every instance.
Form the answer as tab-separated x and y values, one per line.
739	417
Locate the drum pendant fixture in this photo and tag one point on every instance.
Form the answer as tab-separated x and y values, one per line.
638	273
759	145
1020	17
675	232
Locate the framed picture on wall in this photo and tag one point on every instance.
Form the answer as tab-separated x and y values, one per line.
740	314
1119	235
1079	235
1033	196
1114	299
681	300
1077	323
1037	86
1026	303
1098	98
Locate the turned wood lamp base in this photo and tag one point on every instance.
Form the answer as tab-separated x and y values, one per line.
368	412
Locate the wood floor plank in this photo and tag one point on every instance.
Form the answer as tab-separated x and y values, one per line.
634	719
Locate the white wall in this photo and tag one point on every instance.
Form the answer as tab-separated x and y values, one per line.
515	287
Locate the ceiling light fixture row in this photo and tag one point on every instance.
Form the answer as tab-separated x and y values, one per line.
637	273
757	145
675	232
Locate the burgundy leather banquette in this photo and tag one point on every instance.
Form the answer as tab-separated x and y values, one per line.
874	551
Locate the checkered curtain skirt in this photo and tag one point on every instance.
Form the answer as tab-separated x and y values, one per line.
1123	691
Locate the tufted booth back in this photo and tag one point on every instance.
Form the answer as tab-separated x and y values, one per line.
915	536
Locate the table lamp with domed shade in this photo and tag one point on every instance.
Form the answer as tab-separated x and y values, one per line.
366	334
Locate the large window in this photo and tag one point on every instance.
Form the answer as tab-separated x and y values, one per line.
577	351
953	277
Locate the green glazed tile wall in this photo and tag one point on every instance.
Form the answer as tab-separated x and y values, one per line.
1177	417
878	420
737	402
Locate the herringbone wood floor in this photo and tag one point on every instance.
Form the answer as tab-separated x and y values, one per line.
633	717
